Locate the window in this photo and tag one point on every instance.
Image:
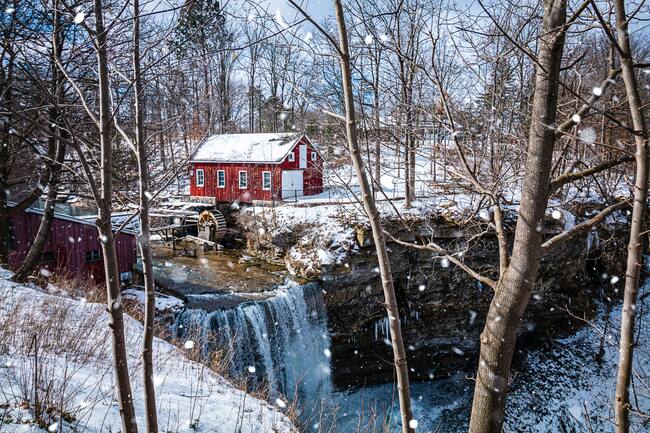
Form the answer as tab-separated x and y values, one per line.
291	157
200	177
221	179
243	180
314	155
266	180
92	256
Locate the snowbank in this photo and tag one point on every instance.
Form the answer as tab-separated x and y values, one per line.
164	304
75	381
310	237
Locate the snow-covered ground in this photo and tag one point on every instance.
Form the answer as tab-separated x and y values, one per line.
75	384
332	228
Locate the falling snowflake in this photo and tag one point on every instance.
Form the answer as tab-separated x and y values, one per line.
444	262
251	369
614	279
556	214
368	39
53	427
79	18
576	118
413	424
280	19
422	287
598	91
117	303
383	38
281	403
189	344
328	353
308	37
587	135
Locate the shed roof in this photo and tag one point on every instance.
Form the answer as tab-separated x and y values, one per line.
85	220
267	148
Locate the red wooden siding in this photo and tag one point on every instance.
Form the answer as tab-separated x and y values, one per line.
312	177
232	192
69	240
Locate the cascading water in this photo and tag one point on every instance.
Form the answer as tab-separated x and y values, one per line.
281	341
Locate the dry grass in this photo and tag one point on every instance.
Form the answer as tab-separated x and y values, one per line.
33	336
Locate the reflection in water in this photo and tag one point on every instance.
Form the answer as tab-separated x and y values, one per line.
223	272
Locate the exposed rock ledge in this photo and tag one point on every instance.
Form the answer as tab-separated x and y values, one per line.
441	307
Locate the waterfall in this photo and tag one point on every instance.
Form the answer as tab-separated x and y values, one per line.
281	341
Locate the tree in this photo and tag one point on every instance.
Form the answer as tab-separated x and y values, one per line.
201	34
371	211
56	153
514	288
102	192
635	245
144	237
19	134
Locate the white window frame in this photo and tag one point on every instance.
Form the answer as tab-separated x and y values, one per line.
264	173
239	179
200	171
224	178
291	157
314	155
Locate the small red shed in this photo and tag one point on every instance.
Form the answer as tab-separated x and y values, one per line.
247	167
72	247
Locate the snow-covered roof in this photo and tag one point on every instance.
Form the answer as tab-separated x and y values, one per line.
269	148
79	219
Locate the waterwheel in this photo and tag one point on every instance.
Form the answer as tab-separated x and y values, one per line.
211	226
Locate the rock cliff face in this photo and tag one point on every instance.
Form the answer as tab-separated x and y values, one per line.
442	309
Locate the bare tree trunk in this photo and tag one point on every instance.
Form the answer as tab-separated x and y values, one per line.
143	240
634	248
56	151
104	225
515	286
377	135
399	354
30	261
